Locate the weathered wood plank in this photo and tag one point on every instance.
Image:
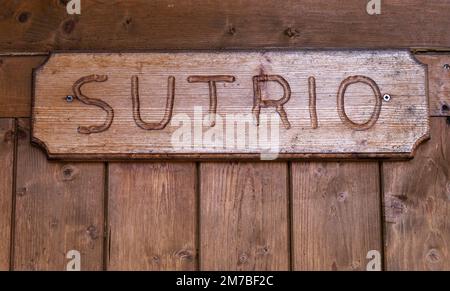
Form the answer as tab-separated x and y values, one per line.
244	216
417	206
6	184
152	216
140	24
15	84
336	215
439	82
227	104
59	208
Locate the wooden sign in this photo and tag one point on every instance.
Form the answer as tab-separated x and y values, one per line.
238	104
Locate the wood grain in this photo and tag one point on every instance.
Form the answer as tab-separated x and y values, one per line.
59	207
267	92
194	24
152	216
15	84
336	215
417	206
438	82
6	185
244	216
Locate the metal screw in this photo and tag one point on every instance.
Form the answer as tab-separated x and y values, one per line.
447	67
387	97
69	98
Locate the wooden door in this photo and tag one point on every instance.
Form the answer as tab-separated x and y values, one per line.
229	215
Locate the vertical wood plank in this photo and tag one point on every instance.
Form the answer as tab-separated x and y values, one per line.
438	82
6	183
336	215
59	207
417	205
244	216
152	216
15	84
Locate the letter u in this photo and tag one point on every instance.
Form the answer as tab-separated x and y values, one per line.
136	105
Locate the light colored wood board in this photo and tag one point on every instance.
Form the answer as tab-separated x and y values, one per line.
152	216
142	24
438	82
15	84
59	208
6	184
75	130
336	215
244	216
417	206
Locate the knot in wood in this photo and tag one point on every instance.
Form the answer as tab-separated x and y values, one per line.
433	256
292	32
92	232
243	258
185	255
342	196
68	172
23	17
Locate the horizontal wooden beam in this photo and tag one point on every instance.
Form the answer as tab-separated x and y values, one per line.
140	24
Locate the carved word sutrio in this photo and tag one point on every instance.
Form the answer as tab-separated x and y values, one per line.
258	101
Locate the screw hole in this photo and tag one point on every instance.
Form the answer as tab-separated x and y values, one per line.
69	98
387	97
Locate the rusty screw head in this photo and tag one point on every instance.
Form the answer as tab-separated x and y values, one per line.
387	97
69	98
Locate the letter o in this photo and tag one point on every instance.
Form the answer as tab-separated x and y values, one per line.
341	104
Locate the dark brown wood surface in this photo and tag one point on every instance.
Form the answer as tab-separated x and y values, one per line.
244	217
417	206
15	84
59	208
439	82
6	184
31	25
152	216
336	215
